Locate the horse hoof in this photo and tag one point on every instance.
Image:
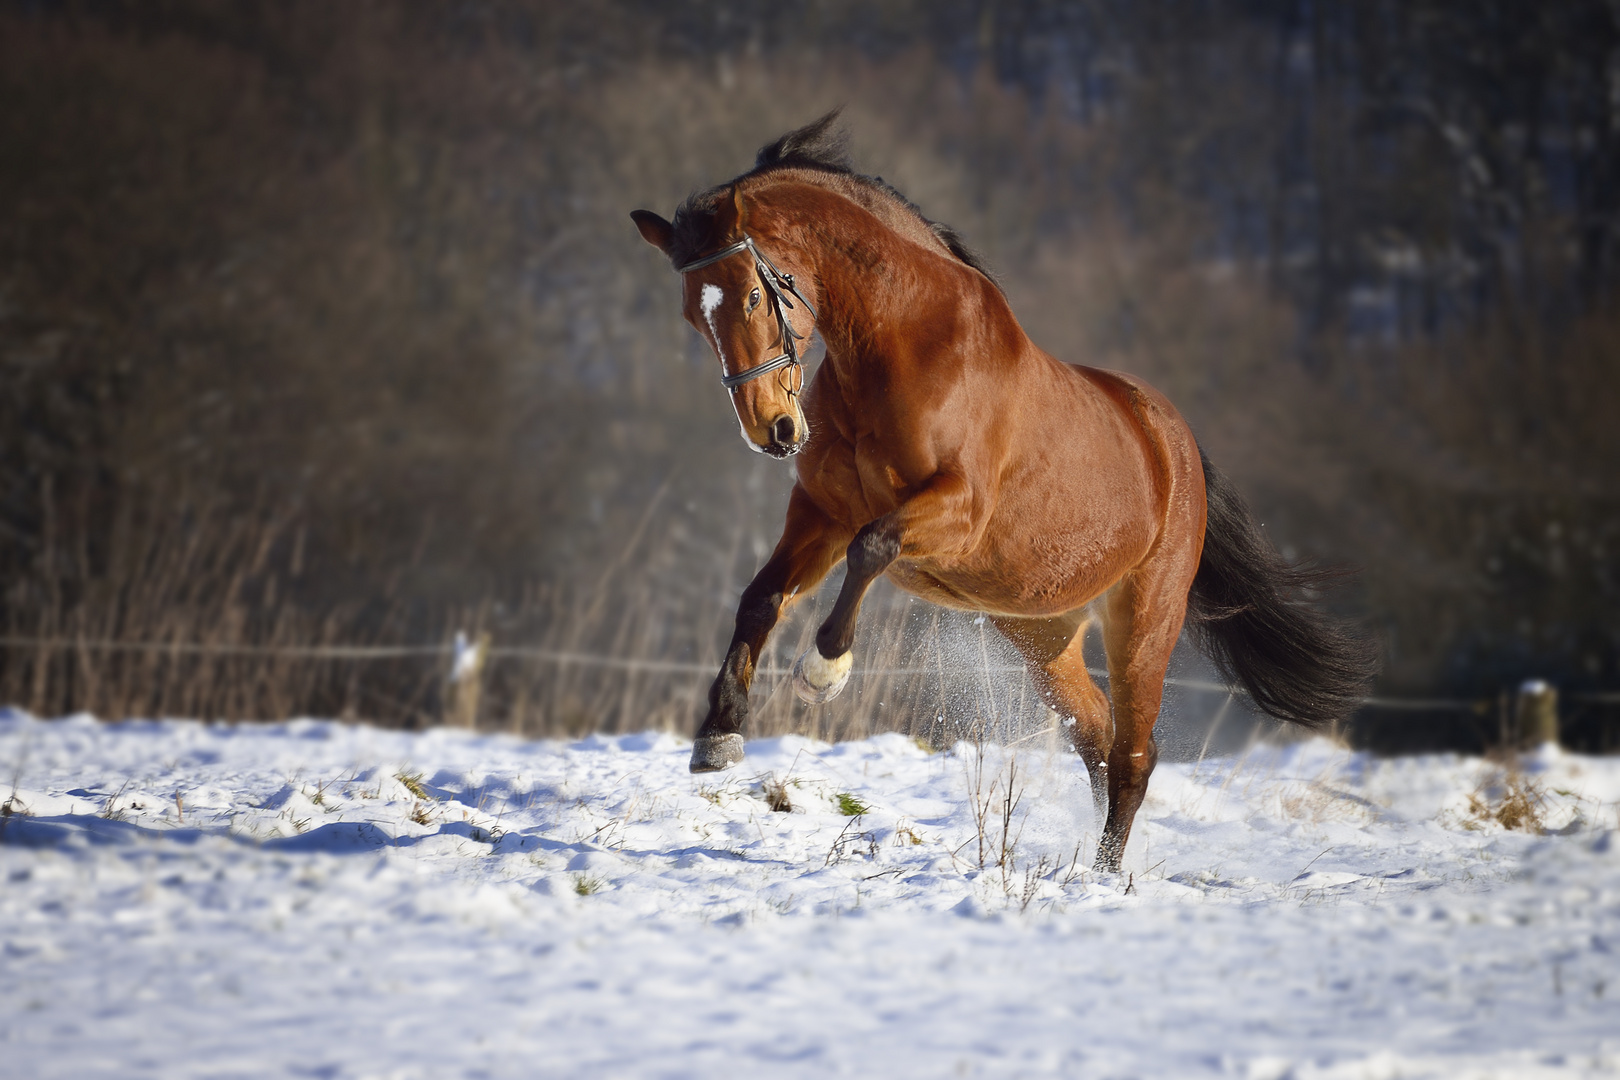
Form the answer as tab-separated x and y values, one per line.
816	679
711	753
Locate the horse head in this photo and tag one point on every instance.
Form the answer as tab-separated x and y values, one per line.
748	309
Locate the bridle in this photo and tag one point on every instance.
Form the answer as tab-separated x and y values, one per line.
779	285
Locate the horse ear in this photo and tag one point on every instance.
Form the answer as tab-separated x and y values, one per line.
654	229
728	223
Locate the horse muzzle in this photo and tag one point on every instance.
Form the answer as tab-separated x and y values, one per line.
787	437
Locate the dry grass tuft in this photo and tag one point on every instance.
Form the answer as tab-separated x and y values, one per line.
1509	798
776	796
413	784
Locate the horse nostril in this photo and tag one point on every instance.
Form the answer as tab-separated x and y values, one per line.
783	431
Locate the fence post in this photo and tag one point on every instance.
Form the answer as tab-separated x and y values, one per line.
466	680
1536	714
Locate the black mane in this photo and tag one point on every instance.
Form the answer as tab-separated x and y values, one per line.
821	144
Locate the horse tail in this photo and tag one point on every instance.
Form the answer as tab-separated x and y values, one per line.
1297	662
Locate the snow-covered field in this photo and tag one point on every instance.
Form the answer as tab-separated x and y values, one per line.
314	899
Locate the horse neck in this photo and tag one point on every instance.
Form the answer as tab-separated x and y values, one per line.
865	303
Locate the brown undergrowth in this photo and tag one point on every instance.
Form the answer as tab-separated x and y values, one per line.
204	614
1509	797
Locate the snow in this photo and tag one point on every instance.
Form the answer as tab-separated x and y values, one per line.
317	899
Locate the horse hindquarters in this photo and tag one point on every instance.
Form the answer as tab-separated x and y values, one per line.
1141	609
1141	619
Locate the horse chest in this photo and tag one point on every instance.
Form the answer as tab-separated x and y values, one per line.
855	485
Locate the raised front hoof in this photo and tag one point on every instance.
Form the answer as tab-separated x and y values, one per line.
711	753
818	680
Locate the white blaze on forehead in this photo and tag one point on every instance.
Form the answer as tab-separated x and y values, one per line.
708	300
711	300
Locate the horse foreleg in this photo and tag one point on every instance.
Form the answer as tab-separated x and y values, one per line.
824	668
934	522
807	550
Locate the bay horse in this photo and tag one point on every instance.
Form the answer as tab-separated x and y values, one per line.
938	445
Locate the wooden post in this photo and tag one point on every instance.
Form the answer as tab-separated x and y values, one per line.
1536	713
466	680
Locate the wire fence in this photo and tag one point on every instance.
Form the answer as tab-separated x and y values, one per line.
566	657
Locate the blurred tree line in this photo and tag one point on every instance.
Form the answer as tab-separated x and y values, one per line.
361	277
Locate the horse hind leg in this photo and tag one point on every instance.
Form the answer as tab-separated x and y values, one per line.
1054	651
1142	620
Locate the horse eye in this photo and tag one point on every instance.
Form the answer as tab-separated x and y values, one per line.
753	300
